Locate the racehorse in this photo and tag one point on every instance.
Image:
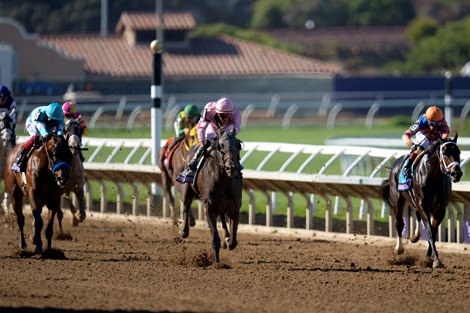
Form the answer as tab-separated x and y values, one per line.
46	174
219	186
171	164
429	194
73	135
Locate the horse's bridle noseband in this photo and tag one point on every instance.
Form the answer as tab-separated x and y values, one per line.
446	168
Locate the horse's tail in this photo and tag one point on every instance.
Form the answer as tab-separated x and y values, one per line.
384	191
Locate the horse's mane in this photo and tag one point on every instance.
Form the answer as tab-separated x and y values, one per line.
60	150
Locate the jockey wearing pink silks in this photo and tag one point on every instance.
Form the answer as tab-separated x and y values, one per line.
220	116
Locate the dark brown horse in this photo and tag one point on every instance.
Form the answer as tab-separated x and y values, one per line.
171	164
73	135
46	174
429	194
219	186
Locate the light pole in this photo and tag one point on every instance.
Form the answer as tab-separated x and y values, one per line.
448	97
156	95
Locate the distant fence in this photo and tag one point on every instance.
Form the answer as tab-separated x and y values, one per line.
290	108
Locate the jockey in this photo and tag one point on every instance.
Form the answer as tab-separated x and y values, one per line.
69	109
70	112
218	116
41	122
429	127
8	105
185	121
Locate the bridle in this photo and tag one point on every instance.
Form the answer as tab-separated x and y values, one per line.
446	168
55	167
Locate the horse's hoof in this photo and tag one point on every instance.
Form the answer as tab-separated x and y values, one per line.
192	221
399	250
233	245
38	250
225	242
414	239
184	234
437	264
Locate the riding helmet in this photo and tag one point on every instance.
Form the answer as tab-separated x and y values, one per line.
69	108
224	105
434	114
54	111
191	110
4	91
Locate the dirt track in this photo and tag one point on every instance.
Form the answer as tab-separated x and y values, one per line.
141	266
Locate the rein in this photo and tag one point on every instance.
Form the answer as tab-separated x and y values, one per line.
446	168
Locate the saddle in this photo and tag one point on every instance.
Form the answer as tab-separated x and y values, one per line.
167	154
406	181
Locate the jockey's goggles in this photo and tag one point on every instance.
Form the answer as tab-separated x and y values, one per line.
432	123
224	116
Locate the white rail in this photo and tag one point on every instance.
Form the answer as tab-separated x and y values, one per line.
309	171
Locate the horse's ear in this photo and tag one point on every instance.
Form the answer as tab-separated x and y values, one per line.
232	131
455	138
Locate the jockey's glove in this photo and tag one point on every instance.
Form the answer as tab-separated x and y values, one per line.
415	147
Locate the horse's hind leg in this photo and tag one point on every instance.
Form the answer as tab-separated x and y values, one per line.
38	224
17	203
414	238
60	216
50	228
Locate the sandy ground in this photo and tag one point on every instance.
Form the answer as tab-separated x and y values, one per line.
141	265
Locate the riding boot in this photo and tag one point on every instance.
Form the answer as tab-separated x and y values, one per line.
16	167
408	164
187	176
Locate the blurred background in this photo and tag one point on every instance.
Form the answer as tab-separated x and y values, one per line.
282	61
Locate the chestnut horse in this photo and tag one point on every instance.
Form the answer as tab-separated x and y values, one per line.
171	164
73	135
46	174
429	194
219	186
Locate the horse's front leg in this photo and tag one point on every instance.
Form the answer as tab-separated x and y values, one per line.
212	220
81	214
432	242
38	224
226	240
233	231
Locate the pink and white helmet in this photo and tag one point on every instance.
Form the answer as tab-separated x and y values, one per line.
224	105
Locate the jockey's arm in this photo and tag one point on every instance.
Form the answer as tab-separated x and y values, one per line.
407	140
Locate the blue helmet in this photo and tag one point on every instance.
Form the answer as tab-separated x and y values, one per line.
4	91
54	112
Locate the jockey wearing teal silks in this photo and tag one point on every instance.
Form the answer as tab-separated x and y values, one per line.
41	122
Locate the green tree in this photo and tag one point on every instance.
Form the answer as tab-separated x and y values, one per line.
268	13
449	49
420	28
380	12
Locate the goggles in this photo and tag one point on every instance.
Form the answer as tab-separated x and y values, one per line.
224	116
432	123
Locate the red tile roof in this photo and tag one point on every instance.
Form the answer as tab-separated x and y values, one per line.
149	21
227	56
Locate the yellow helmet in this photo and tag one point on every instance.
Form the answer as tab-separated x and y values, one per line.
434	114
